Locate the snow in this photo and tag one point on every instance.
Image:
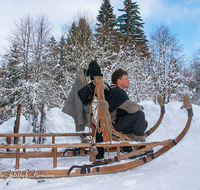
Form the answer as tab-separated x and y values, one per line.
177	169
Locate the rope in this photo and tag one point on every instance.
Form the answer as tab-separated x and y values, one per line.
104	106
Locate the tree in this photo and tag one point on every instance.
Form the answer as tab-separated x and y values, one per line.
42	35
21	36
130	27
31	68
165	63
62	47
80	46
106	21
195	68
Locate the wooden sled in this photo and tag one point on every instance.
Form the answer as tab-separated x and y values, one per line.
98	167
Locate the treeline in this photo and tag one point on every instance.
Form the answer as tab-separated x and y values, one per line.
38	69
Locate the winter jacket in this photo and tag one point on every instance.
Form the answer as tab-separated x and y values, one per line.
119	103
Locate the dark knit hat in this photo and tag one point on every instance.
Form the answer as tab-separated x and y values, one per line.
94	70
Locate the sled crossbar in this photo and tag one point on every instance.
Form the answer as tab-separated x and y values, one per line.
42	134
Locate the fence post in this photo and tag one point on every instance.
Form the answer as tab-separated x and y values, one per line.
17	158
17	123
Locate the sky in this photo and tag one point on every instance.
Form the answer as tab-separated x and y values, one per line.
181	16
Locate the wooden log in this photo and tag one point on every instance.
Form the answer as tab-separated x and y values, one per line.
17	123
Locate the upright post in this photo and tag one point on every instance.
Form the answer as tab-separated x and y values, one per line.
17	123
100	96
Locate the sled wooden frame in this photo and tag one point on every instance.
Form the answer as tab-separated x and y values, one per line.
17	154
97	169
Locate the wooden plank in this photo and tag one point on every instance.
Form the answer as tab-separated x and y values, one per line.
8	140
75	172
17	158
24	142
43	134
53	142
55	158
80	145
128	155
118	151
39	155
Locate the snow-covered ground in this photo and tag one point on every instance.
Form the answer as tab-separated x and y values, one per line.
177	169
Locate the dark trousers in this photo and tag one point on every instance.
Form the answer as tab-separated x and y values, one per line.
133	123
99	138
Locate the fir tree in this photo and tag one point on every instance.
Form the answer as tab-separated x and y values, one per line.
80	48
130	27
106	22
62	47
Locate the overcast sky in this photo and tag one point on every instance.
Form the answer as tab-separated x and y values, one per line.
181	16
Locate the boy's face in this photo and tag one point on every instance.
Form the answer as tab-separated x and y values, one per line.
123	82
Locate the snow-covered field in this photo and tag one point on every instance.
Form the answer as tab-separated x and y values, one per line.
177	169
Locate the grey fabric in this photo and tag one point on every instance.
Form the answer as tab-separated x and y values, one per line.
131	107
73	105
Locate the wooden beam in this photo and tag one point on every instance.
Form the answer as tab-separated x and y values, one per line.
24	142
80	145
39	154
43	134
17	158
118	151
55	158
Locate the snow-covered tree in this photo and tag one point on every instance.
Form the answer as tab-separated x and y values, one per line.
131	27
106	22
195	68
32	72
165	63
80	45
